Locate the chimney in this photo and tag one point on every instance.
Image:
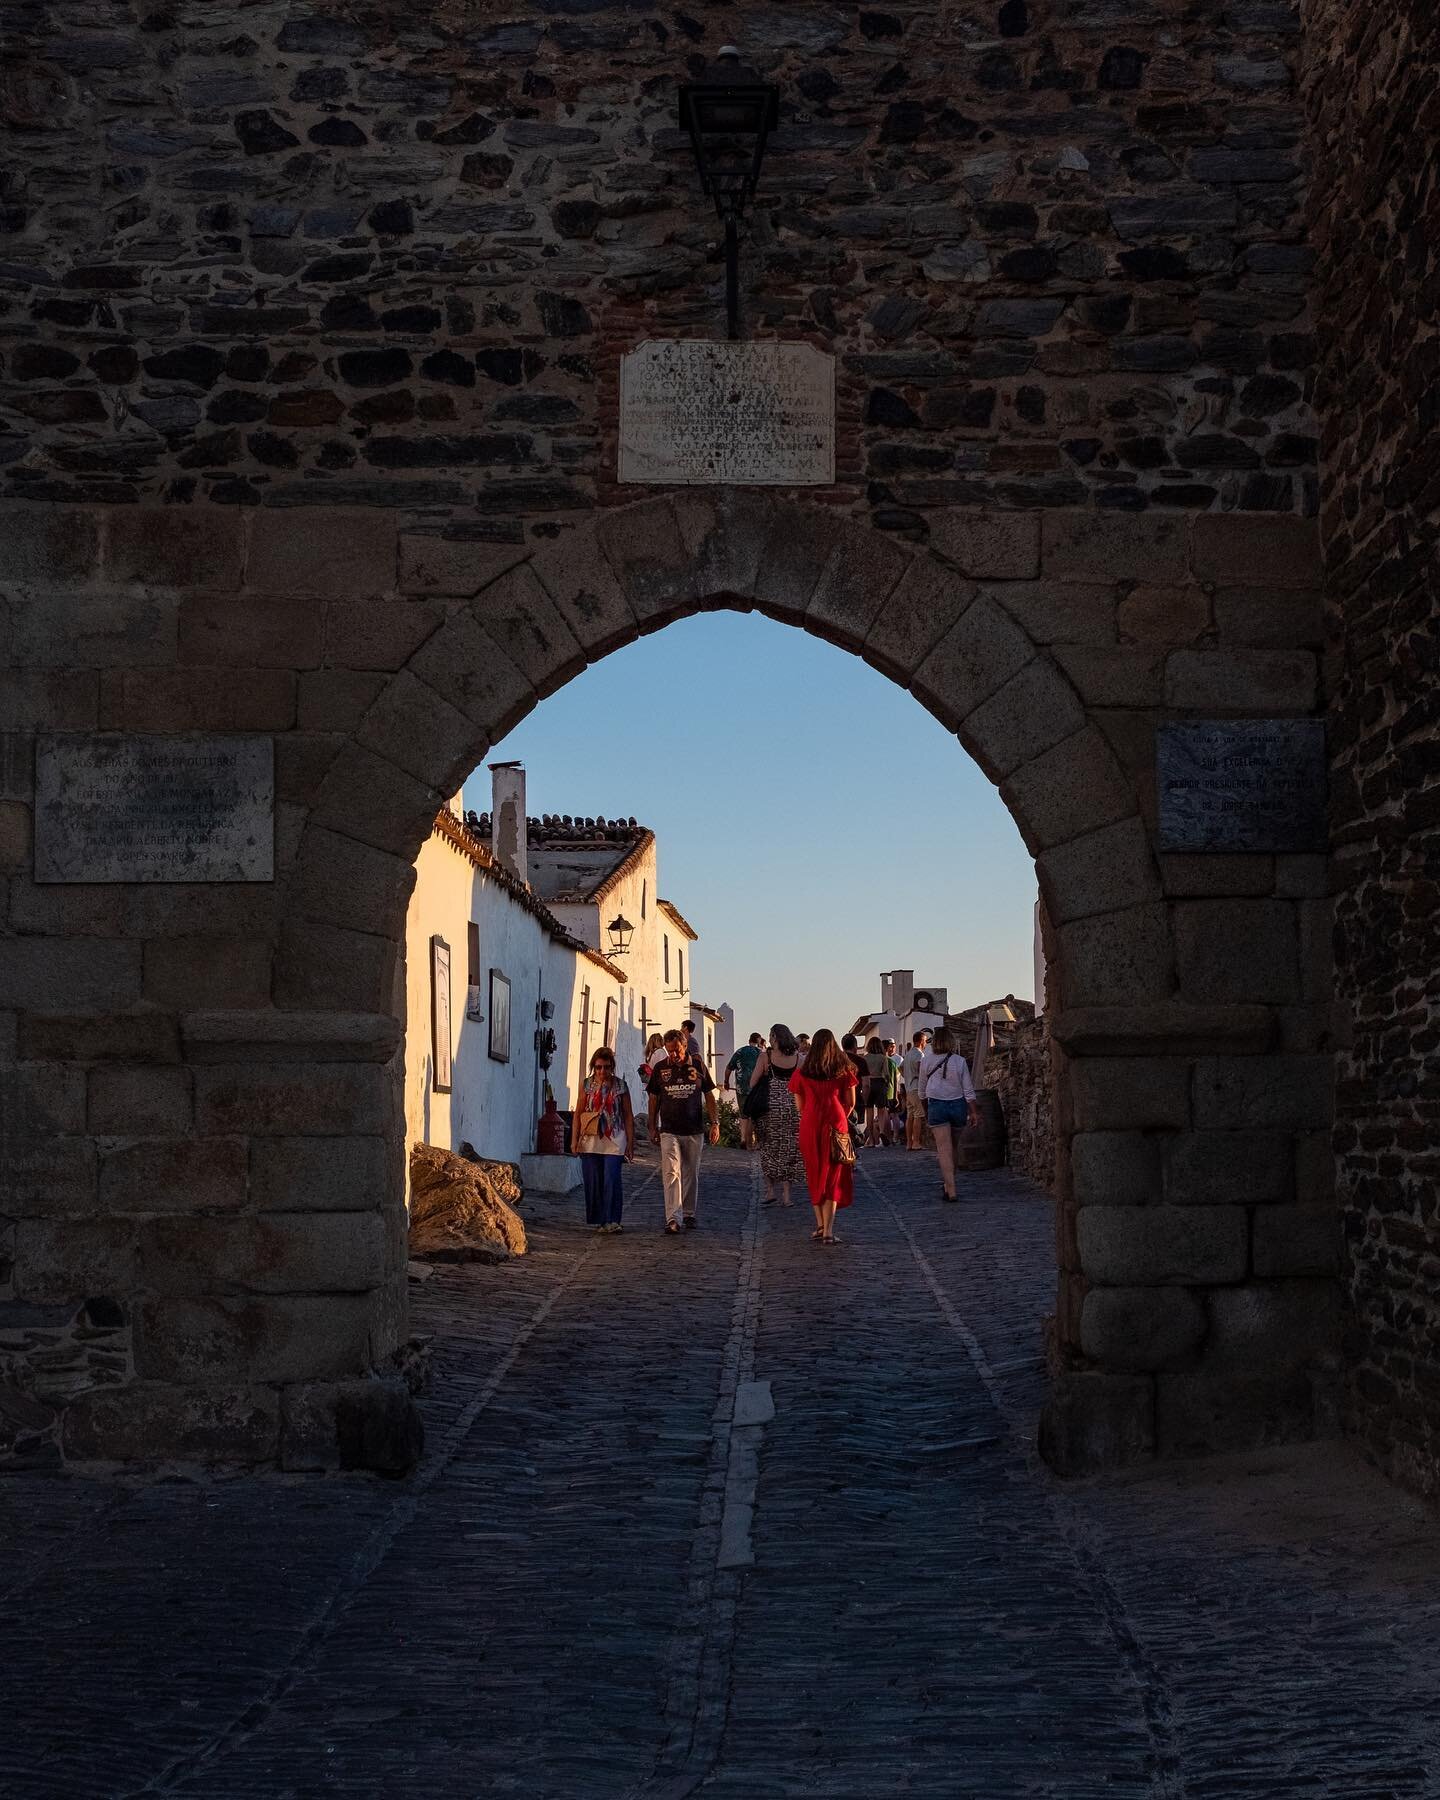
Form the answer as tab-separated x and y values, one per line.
902	992
887	992
508	835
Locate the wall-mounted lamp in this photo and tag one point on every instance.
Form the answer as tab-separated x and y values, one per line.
621	931
729	115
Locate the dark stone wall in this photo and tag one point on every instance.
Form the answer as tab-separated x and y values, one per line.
275	254
1374	92
1021	1074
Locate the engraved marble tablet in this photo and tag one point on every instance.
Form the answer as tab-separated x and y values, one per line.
761	415
125	808
1242	784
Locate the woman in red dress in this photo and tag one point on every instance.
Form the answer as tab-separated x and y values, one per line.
824	1089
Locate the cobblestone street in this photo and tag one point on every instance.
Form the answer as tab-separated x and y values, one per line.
617	1573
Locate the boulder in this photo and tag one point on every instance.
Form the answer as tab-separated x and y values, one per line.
462	1211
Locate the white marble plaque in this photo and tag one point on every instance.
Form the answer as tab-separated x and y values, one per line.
127	808
760	415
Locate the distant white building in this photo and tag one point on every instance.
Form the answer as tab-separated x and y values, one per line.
529	942
724	1038
905	1008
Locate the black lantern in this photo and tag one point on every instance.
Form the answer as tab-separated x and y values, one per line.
621	931
729	116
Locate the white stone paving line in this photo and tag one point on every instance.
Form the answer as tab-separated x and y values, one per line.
697	1703
255	1715
1151	1690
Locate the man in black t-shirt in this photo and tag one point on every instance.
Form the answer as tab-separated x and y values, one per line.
682	1100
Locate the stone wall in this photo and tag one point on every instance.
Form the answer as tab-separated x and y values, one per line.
279	255
1374	93
311	326
1020	1072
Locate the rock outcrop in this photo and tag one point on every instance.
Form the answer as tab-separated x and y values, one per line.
463	1211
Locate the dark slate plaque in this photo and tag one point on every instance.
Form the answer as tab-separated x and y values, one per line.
123	808
1242	784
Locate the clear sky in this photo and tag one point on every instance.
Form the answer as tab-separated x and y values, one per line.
802	885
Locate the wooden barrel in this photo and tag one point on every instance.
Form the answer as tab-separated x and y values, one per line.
981	1145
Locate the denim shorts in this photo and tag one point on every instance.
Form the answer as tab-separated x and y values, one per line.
946	1112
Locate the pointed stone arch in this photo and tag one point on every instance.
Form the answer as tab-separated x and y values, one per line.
938	625
206	1078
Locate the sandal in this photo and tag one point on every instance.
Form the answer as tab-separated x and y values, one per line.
830	1242
817	1237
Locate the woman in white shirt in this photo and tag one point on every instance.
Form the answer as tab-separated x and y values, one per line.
602	1135
948	1094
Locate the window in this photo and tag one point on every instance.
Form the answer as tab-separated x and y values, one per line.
499	1016
644	889
680	957
612	1020
440	1015
584	1032
667	958
472	971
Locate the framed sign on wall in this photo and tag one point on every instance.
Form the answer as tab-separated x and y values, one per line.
499	1016
440	1014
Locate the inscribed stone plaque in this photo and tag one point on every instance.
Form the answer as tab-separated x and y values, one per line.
1242	784
761	415
123	808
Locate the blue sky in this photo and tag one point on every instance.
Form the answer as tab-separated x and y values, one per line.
803	885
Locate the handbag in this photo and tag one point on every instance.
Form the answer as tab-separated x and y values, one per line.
842	1148
590	1123
757	1100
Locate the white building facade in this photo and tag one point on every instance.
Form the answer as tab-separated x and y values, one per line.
529	943
905	1008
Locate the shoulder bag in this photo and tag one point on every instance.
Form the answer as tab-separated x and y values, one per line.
842	1148
592	1124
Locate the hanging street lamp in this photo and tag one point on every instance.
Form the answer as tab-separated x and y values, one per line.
621	931
729	115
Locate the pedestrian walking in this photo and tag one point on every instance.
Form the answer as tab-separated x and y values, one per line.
739	1073
682	1105
824	1085
780	1161
894	1088
692	1043
914	1105
602	1135
949	1093
850	1044
877	1072
654	1055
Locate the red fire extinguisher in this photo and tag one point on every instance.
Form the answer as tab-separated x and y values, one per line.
550	1131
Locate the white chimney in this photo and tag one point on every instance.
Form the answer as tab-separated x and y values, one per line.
887	992
508	835
902	992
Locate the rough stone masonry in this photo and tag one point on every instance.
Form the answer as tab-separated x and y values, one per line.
312	318
1375	96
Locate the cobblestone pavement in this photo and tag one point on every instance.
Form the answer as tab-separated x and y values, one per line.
739	1516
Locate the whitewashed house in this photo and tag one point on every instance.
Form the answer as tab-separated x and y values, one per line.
530	942
905	1008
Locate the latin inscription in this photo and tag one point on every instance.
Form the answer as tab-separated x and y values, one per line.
1242	784
758	415
123	808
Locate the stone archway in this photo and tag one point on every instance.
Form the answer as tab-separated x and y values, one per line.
235	1192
